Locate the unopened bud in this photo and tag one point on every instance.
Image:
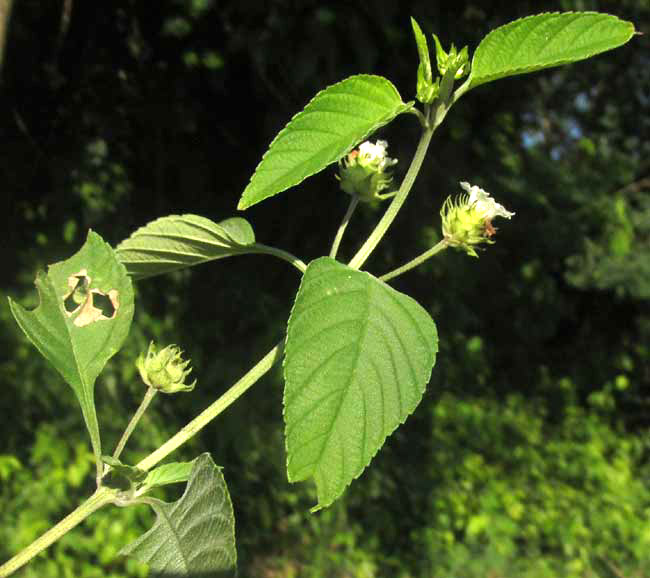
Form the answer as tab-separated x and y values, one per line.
165	370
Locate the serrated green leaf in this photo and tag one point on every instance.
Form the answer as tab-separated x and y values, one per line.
333	122
358	357
179	241
194	536
84	315
171	473
546	40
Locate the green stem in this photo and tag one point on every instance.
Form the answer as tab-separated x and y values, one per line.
213	410
99	499
415	262
261	249
380	230
354	201
148	396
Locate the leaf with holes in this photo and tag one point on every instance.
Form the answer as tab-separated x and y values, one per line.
358	357
84	315
179	241
194	536
332	123
546	40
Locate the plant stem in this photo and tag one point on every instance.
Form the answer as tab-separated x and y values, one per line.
213	410
344	223
396	204
415	262
100	498
261	249
146	400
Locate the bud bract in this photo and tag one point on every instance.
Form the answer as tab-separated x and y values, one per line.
454	59
165	370
362	172
467	219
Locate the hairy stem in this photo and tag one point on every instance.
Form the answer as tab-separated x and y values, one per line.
146	400
344	223
99	499
380	230
284	255
213	410
415	262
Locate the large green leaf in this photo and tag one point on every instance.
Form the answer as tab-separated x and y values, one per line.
179	241
546	40
84	315
333	122
358	357
194	536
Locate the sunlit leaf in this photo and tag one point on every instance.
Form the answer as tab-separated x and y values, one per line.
179	241
546	40
358	357
333	122
84	315
193	537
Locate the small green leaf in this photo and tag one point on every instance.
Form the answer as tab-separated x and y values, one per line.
84	315
332	123
171	473
426	90
121	476
358	357
179	241
546	40
194	536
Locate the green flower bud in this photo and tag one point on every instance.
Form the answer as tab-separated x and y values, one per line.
362	171
164	370
467	220
456	60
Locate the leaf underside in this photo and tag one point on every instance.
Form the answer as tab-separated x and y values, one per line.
546	40
194	536
332	123
77	337
358	357
179	241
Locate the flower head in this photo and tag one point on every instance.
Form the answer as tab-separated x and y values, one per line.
362	171
467	220
165	370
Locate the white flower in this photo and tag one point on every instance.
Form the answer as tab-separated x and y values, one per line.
483	204
375	154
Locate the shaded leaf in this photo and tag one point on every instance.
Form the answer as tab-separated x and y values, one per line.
194	536
84	315
332	123
546	40
358	357
179	241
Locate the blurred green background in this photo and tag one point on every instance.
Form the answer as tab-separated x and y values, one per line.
528	456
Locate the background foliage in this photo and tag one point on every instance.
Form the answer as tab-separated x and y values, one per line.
528	455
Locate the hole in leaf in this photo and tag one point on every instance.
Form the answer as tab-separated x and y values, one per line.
104	304
78	293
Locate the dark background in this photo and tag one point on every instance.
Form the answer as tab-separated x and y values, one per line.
528	453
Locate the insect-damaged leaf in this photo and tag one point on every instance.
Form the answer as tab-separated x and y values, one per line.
84	315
